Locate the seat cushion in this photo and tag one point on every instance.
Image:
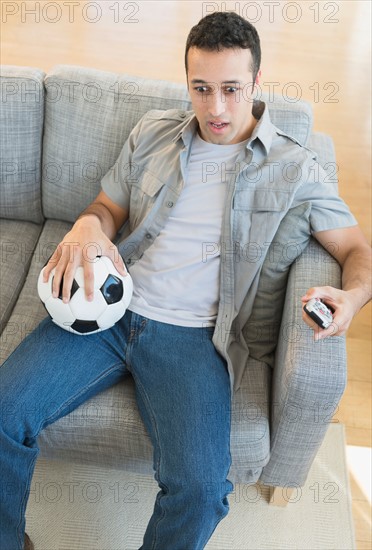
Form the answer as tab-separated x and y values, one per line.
250	423
28	310
106	430
21	122
18	244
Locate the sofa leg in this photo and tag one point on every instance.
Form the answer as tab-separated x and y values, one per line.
280	496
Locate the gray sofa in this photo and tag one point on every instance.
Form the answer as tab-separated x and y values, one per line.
61	132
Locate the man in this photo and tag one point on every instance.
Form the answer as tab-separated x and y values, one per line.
166	339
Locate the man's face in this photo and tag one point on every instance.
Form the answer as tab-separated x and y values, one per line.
220	87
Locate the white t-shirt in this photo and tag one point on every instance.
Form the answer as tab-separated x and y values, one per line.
177	279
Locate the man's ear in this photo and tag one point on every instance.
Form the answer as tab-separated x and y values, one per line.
257	81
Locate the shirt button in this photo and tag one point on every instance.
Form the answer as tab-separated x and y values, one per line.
129	261
182	115
148	236
169	204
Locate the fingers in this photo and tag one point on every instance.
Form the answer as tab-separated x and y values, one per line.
332	330
69	255
327	294
52	262
340	303
69	260
65	260
88	267
321	333
117	260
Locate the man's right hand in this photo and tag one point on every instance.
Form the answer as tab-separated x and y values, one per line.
80	247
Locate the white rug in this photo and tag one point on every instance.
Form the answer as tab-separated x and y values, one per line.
75	507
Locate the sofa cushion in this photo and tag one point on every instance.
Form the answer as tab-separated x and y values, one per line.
295	119
21	122
29	310
262	329
88	117
106	430
250	423
18	244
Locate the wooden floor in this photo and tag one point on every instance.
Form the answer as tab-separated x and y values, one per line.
323	47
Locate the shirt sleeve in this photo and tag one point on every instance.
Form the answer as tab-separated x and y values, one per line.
328	210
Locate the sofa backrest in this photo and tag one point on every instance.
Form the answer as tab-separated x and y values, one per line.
21	124
88	117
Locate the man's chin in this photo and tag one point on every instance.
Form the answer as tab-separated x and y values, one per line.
223	139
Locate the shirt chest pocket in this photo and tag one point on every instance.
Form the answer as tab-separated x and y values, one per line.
257	214
144	193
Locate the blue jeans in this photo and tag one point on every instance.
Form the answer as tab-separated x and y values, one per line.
177	373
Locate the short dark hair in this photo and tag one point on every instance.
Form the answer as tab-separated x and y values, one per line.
220	30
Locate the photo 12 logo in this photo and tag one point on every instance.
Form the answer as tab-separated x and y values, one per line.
291	12
69	11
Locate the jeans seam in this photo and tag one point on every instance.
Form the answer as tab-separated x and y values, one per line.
25	496
154	425
222	516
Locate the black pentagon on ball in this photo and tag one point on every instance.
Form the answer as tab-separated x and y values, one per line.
84	327
74	288
112	289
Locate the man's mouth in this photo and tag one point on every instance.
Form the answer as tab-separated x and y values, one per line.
217	125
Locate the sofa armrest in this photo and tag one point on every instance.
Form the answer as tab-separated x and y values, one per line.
309	377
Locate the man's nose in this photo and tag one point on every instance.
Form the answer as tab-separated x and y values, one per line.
217	103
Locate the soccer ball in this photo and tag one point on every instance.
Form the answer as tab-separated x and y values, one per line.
112	295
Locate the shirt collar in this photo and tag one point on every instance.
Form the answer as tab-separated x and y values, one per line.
262	132
264	129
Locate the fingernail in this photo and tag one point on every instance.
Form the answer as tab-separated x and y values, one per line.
65	300
90	297
54	294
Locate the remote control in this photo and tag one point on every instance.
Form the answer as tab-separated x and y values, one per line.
319	312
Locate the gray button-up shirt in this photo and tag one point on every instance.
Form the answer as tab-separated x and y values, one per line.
272	174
